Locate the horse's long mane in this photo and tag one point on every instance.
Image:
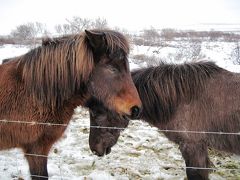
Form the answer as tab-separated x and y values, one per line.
56	70
162	88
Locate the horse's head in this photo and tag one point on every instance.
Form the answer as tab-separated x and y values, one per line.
110	81
102	137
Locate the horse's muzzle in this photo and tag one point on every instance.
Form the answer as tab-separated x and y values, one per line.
102	153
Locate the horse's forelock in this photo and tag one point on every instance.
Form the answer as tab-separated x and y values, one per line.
116	41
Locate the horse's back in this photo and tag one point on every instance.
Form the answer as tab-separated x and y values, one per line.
224	112
217	109
224	92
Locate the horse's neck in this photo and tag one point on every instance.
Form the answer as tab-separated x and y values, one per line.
76	100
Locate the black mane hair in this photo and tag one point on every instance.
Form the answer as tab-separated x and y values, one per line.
161	88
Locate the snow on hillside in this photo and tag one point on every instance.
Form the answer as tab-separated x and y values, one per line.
9	51
141	152
218	52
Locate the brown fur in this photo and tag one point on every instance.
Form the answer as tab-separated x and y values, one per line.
47	83
192	97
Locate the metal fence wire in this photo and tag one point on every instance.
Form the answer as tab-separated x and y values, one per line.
61	176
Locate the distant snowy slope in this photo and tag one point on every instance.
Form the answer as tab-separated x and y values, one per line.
9	51
218	52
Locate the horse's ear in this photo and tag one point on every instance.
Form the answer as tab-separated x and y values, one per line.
46	41
96	39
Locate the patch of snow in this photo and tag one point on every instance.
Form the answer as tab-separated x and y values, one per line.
9	51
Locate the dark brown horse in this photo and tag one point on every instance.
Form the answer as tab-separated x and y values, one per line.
187	99
46	84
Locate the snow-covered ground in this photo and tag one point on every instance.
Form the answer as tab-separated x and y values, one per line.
141	152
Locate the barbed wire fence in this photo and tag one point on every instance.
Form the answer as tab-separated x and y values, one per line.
59	158
118	128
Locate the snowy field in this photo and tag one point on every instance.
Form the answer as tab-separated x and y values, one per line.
141	152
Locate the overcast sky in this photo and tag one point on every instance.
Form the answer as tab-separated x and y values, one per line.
129	14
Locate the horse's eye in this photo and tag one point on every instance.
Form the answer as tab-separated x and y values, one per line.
113	69
112	55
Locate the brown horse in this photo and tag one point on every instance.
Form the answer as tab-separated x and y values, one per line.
46	84
187	99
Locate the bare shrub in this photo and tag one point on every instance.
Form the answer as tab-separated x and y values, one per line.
138	41
151	35
124	31
63	29
168	34
6	40
148	37
231	37
191	51
149	60
213	35
24	31
28	33
100	23
77	24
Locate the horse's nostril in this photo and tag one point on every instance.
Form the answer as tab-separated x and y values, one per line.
97	153
135	110
94	152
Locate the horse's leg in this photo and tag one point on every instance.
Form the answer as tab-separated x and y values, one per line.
36	155
195	155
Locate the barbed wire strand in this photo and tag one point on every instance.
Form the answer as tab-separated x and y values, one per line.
185	167
119	128
134	163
